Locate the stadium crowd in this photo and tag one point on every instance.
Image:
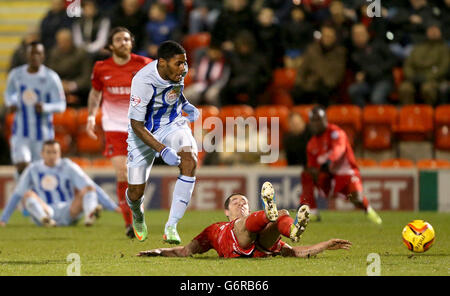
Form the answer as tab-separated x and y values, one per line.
338	51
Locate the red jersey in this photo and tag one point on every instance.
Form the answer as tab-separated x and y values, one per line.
332	145
220	237
114	81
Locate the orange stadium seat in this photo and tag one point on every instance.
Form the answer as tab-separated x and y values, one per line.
270	111
284	78
65	141
281	97
82	116
193	42
83	162
87	145
206	111
66	121
433	164
415	122
396	163
378	125
9	121
366	162
442	123
348	117
303	110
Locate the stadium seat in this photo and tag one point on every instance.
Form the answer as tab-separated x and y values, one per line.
271	111
397	74
236	111
396	163
378	124
281	97
192	42
206	111
433	164
82	115
348	117
101	162
65	141
189	79
366	162
442	124
283	78
415	122
303	110
280	163
81	161
87	145
66	121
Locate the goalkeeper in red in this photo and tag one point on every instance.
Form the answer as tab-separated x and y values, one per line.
253	235
331	167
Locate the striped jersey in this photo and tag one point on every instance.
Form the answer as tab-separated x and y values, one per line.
52	184
155	101
24	90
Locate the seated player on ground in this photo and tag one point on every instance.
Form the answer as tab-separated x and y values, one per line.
56	192
253	235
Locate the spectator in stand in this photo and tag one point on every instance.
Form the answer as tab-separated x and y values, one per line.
297	33
19	56
159	28
410	24
425	69
250	73
445	21
211	73
372	63
73	65
318	9
235	17
129	14
342	22
322	70
295	140
90	32
281	8
204	15
55	20
268	37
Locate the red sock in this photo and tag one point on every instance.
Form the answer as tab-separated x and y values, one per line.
307	197
284	224
256	222
126	212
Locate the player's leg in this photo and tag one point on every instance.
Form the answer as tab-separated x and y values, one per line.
361	202
182	141
38	209
310	181
119	163
20	154
85	201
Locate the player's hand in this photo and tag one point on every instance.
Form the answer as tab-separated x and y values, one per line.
38	107
149	253
336	244
192	112
90	127
170	156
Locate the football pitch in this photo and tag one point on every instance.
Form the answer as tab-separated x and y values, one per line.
104	250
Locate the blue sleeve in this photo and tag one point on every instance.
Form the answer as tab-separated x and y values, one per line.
104	199
10	207
56	101
11	95
78	177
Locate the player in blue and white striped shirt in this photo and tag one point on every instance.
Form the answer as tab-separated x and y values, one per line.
157	127
55	191
34	92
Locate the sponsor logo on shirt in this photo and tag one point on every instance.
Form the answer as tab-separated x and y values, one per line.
119	90
49	182
29	97
134	100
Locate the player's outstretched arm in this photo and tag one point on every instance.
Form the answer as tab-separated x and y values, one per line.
308	251
183	251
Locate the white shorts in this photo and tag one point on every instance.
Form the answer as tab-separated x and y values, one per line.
25	149
141	157
60	212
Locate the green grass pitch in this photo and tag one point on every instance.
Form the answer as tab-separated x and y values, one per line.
104	250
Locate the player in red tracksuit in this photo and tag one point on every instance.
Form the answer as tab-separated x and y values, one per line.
252	235
111	85
331	166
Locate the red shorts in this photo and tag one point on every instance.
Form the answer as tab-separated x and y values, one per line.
341	184
115	144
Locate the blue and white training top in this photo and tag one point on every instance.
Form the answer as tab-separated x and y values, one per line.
155	101
52	184
24	90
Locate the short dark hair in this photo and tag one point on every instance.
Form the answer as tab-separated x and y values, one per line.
35	43
168	49
116	30
49	142
227	201
317	109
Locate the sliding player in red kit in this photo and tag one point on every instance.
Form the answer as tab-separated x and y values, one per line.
253	235
331	167
111	82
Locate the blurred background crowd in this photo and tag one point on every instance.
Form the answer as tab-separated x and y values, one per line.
267	52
